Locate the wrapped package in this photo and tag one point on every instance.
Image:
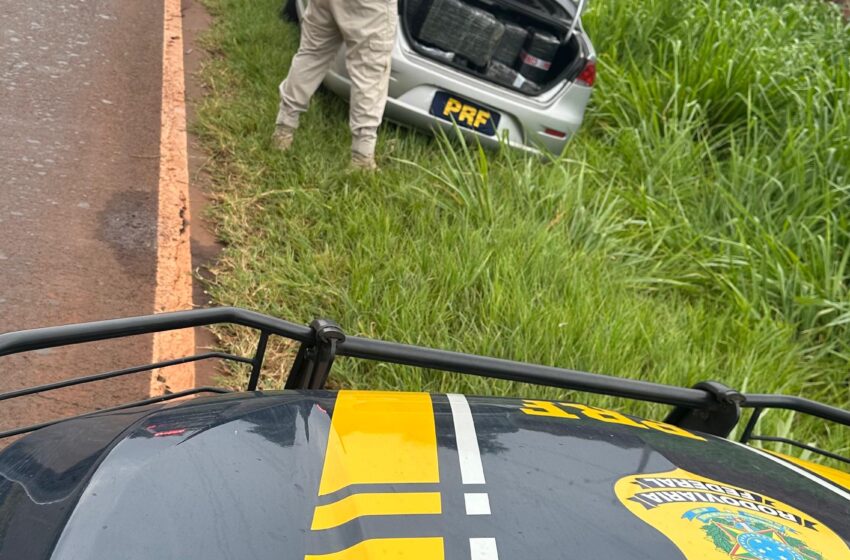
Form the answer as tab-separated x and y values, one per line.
510	45
507	76
457	27
482	35
536	59
502	73
441	24
413	7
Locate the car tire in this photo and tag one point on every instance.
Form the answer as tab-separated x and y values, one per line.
289	11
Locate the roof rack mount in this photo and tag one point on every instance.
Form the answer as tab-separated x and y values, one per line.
709	407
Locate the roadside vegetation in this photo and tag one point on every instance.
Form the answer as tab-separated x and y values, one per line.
697	227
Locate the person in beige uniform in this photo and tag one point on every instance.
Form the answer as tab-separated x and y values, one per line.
368	29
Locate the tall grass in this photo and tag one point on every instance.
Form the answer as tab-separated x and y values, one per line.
697	227
750	100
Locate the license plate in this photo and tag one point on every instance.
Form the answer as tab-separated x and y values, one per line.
465	113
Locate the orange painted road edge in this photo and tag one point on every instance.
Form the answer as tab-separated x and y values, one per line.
174	256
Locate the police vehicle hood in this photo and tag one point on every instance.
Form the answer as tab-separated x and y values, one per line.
371	475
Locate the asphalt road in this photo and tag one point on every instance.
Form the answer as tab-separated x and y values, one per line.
80	87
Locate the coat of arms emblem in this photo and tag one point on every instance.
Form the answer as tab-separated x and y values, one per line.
745	536
710	520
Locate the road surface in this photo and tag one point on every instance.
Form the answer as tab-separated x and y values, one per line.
80	95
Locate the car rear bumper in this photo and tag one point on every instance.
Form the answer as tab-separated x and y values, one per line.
525	121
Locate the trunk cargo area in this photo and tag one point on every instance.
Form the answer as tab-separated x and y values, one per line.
521	45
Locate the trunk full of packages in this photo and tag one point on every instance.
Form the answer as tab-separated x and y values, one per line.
525	46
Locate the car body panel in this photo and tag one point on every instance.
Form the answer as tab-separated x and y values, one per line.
834	476
320	474
415	79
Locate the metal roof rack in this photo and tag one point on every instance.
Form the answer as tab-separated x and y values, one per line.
709	407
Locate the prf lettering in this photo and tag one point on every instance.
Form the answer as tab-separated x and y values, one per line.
465	113
569	411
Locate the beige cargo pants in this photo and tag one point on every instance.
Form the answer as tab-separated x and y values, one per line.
367	28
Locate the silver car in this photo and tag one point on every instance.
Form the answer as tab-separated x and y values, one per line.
514	71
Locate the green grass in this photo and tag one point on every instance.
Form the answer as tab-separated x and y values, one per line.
697	227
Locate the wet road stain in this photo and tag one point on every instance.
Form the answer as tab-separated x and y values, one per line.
127	225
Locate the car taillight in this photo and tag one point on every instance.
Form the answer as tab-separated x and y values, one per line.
555	133
588	75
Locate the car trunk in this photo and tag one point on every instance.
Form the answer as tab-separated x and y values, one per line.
524	45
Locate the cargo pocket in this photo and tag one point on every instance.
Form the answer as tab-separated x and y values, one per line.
380	50
379	45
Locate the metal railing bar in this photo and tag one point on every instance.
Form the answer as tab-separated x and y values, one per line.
813	449
517	371
152	400
118	373
390	352
798	404
257	362
751	425
49	337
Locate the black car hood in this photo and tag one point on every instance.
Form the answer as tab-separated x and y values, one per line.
363	475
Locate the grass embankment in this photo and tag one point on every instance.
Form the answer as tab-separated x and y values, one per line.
697	227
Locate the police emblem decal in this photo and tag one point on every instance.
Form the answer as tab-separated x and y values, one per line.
744	535
708	519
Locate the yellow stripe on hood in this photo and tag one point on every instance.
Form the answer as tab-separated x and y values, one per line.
380	438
